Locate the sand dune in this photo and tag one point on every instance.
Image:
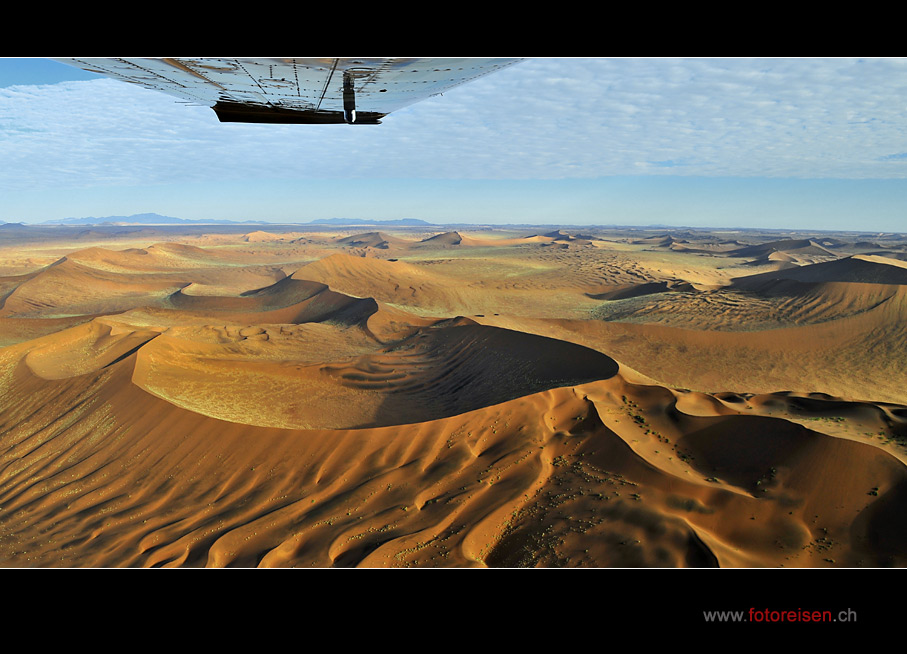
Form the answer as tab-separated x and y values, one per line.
270	376
606	473
157	258
83	349
771	304
776	260
867	269
68	287
829	357
96	280
447	238
663	241
449	400
788	246
18	330
268	237
394	282
284	293
422	289
625	291
373	240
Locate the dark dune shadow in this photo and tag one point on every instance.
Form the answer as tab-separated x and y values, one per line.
462	366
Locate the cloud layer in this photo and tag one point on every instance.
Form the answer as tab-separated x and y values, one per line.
540	119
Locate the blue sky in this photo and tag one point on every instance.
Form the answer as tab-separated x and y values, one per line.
786	143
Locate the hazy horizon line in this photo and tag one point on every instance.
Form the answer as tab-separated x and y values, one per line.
400	223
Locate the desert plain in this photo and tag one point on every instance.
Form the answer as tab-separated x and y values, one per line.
343	396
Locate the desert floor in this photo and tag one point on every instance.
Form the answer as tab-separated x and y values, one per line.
505	397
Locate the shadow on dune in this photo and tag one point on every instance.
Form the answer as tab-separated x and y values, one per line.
882	528
459	366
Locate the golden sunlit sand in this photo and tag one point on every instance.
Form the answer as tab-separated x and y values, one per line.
469	398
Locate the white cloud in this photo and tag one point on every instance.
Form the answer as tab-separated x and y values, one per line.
541	119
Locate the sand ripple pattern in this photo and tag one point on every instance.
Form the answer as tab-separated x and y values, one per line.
605	473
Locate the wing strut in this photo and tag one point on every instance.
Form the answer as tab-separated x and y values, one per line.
349	98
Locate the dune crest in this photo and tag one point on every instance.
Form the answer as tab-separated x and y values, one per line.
437	371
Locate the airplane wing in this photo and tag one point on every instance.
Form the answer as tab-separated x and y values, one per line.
294	90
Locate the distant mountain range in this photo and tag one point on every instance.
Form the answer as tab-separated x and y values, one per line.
157	219
146	219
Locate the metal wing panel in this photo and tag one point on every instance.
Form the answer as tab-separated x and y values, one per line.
307	90
396	83
157	74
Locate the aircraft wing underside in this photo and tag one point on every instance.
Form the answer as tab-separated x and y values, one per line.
296	90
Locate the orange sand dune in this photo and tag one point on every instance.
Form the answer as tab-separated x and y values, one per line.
17	330
262	404
431	292
316	303
286	292
821	301
866	269
9	283
394	282
705	248
858	357
624	291
340	378
535	239
447	238
772	304
95	281
789	246
83	349
267	237
606	473
71	288
776	260
343	269
374	240
159	257
664	240
454	367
